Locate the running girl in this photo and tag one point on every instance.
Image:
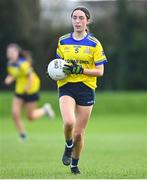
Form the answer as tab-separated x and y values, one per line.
26	88
86	59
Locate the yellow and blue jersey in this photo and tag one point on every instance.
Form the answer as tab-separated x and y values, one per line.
87	52
20	71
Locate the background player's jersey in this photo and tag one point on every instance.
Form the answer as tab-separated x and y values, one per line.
87	52
20	71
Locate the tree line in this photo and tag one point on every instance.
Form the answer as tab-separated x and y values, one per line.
123	37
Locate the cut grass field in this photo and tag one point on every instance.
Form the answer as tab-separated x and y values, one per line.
115	141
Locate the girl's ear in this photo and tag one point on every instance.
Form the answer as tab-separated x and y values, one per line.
88	21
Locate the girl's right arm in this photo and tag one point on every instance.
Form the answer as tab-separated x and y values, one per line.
9	79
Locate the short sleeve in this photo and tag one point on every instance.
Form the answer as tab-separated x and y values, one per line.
99	55
59	53
12	70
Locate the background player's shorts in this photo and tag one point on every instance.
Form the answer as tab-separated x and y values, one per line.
28	97
82	94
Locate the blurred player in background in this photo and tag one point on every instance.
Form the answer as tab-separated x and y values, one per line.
27	85
86	59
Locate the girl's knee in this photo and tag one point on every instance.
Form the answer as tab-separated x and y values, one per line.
78	135
15	114
69	124
30	117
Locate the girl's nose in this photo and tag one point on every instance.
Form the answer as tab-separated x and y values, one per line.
77	20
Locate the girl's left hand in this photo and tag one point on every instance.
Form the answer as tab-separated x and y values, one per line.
73	69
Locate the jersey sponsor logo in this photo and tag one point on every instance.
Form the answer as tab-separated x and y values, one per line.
77	61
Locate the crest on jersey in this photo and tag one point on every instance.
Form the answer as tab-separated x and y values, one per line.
86	50
66	49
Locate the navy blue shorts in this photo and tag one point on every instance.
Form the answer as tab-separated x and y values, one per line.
28	97
82	94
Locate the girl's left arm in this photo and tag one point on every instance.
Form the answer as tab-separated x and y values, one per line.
98	71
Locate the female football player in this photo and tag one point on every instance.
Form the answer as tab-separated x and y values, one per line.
85	57
26	88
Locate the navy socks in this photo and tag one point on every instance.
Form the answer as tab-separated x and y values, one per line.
69	143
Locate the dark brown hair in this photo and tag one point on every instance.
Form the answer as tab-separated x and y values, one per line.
22	53
84	9
86	12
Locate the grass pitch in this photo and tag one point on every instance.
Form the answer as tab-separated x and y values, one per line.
115	141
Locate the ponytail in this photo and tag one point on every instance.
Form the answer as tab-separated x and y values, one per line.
87	30
26	54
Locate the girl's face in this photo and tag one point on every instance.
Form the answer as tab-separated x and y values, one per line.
12	54
79	21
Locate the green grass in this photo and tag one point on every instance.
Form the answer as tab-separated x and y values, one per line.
115	141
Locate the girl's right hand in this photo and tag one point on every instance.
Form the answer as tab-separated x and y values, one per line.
9	79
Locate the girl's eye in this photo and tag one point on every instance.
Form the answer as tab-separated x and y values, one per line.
81	17
74	17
